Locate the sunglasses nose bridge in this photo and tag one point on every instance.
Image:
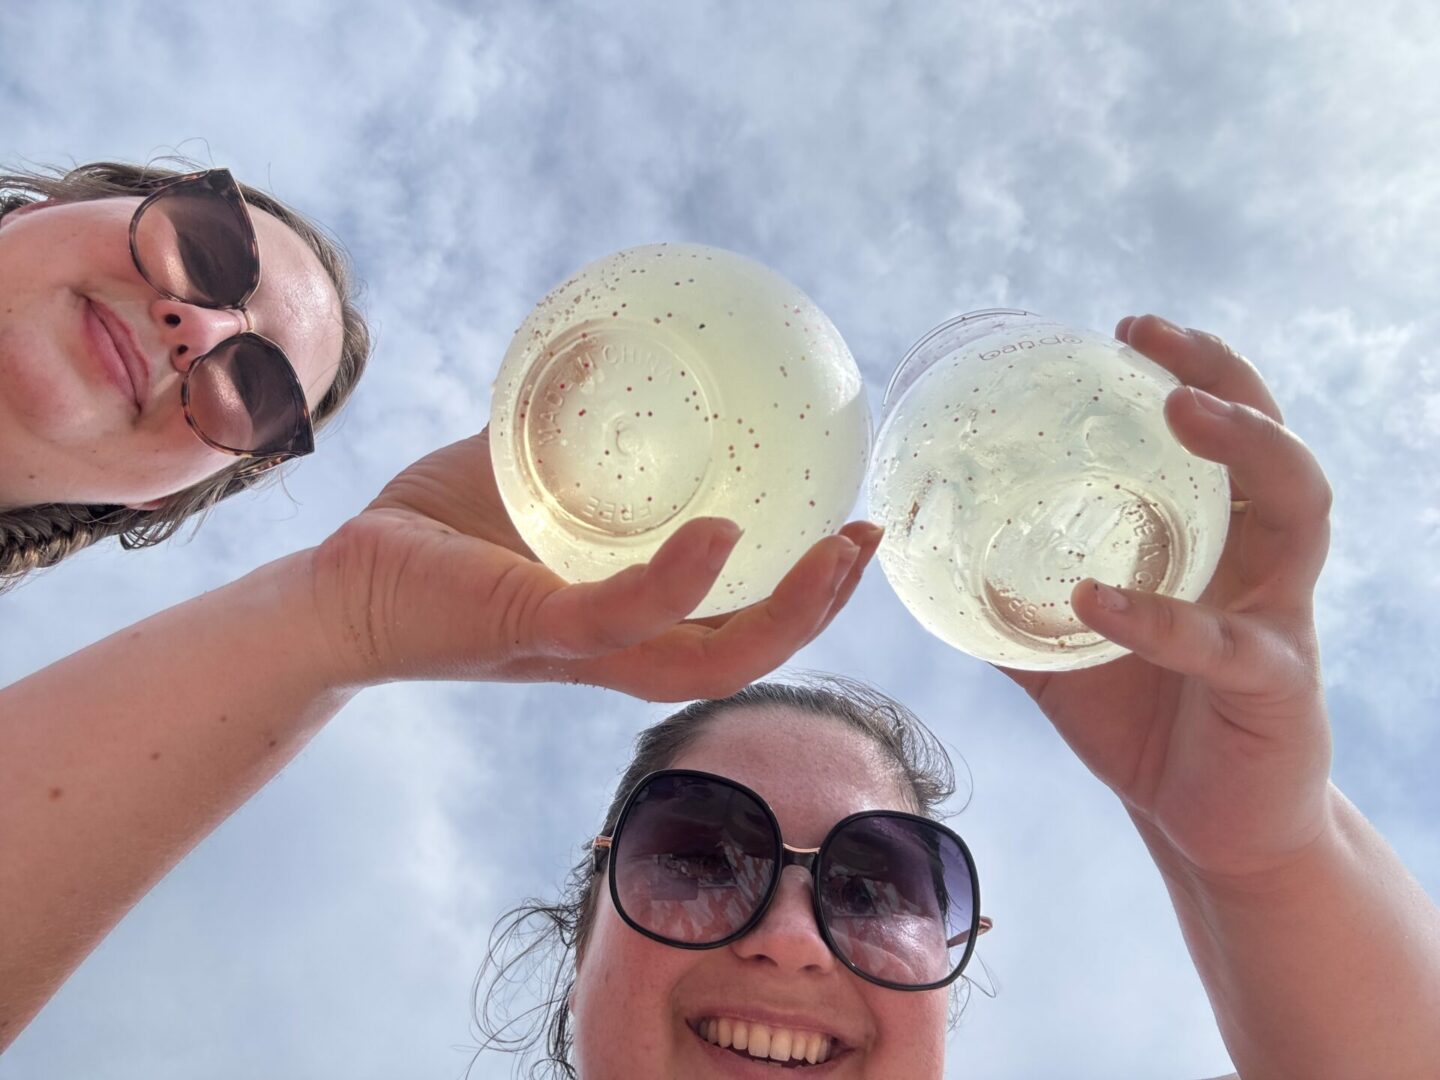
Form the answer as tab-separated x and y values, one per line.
789	911
805	858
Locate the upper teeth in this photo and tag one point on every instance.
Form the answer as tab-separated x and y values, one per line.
763	1041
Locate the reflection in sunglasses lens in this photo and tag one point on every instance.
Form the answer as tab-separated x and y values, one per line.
895	894
694	859
243	396
193	244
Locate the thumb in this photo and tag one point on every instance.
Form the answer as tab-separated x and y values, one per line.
1232	652
640	602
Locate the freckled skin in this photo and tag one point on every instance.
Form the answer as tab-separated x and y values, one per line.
634	996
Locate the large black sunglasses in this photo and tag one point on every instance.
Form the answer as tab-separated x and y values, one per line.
193	240
695	860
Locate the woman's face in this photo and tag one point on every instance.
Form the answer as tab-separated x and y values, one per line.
640	1006
71	428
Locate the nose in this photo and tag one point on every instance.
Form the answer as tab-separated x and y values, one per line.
189	332
788	935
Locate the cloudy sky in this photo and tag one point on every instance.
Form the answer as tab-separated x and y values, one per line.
1261	168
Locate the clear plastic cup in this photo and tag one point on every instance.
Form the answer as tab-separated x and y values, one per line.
669	382
1017	456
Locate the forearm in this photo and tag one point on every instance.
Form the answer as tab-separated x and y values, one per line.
1330	969
116	761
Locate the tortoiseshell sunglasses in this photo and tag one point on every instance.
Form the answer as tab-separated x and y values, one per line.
194	242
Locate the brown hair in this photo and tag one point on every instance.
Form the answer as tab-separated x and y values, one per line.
537	934
35	537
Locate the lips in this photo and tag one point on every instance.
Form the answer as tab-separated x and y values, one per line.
114	346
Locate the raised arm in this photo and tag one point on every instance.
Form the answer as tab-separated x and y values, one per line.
1326	967
116	761
1320	953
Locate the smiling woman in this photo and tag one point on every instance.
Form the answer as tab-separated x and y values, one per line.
165	339
841	970
769	888
770	874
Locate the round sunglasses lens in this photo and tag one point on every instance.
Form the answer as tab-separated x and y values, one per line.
243	396
898	899
694	859
192	243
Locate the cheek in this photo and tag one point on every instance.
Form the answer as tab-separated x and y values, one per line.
174	471
43	390
911	1031
163	455
624	1018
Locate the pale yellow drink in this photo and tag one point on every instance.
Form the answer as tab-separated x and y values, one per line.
669	382
1017	457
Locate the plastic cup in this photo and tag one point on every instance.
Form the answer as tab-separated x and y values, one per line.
669	382
1017	456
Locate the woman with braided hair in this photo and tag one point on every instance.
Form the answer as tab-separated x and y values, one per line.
165	339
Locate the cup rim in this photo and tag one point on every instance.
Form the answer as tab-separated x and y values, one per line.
930	335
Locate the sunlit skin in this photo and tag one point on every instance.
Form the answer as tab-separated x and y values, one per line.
636	1000
68	433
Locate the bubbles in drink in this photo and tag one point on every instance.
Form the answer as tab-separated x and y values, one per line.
669	382
1017	457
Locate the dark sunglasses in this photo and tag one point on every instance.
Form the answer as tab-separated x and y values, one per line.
695	860
194	242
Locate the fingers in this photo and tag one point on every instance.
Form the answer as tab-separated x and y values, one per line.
1286	532
640	601
692	660
761	637
1227	414
867	536
1233	652
1199	359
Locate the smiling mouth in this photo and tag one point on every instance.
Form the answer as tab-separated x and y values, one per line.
784	1047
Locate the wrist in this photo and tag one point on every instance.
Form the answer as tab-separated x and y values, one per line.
1326	964
292	612
341	578
1281	878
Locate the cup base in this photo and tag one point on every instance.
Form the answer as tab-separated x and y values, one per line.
1051	537
1007	600
616	428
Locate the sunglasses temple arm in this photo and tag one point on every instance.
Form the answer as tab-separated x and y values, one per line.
599	848
986	923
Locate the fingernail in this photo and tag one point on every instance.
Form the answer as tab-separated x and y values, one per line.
1210	403
721	546
1111	599
1169	327
843	563
874	533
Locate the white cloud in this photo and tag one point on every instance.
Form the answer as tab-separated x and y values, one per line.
1260	169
